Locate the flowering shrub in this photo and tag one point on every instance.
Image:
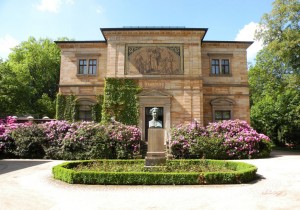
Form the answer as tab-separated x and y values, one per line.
86	140
64	140
240	140
29	141
221	140
127	139
7	144
183	138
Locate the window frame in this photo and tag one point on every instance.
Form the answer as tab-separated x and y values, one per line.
222	113
222	104
84	106
220	57
88	59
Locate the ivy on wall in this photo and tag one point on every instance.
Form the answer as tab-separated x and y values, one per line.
60	106
120	101
97	109
66	107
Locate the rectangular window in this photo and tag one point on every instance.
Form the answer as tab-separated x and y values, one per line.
222	115
215	66
87	66
225	66
92	66
220	67
82	66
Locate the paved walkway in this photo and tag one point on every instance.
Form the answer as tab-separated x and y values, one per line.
28	184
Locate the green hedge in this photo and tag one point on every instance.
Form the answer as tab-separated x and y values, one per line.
242	173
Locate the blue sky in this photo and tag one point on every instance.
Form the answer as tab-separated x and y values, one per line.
81	19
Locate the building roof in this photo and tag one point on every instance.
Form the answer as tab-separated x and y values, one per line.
155	28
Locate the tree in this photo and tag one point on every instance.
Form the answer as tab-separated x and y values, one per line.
280	32
275	79
29	78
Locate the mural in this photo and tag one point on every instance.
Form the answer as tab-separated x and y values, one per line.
154	59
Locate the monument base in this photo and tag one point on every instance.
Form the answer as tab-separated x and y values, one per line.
155	159
156	149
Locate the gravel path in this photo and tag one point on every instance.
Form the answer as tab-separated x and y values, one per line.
28	184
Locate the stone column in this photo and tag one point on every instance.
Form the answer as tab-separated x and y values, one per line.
156	147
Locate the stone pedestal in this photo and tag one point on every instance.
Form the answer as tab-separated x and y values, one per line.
156	148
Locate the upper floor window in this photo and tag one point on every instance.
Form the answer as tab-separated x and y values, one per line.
92	66
87	66
220	67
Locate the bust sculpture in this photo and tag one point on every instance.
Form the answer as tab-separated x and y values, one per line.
155	123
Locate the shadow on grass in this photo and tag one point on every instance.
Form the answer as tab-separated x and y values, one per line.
7	166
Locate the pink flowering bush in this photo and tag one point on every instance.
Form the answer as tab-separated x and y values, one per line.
7	144
65	140
127	139
232	139
184	137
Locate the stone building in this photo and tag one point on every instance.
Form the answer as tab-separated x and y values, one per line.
185	76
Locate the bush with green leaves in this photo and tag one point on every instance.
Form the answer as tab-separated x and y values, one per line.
133	172
232	139
29	141
69	141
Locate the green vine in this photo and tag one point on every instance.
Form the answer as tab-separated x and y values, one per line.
66	107
60	106
97	109
120	101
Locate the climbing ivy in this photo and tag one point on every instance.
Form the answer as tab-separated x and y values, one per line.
120	101
97	109
60	106
66	107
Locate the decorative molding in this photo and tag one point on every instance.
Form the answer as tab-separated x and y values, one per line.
154	93
225	85
82	85
87	54
219	54
222	101
224	95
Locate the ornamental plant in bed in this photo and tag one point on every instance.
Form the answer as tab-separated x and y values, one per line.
232	139
65	140
133	172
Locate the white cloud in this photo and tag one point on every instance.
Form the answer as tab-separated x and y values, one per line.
247	34
7	42
99	10
49	5
52	5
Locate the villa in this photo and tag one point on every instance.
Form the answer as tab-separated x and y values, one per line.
185	76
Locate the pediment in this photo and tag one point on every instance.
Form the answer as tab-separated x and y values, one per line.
154	93
222	101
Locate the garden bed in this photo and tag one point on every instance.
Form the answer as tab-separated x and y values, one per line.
175	172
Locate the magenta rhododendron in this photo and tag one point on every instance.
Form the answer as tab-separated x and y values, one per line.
239	139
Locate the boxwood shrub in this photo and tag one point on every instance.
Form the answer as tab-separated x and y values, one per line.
239	173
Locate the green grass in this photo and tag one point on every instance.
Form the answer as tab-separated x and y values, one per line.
139	166
133	172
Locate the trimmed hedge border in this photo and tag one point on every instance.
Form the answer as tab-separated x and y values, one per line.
243	173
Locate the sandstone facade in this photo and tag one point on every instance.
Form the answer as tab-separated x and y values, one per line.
189	78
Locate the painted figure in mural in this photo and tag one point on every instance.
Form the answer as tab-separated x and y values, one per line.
155	123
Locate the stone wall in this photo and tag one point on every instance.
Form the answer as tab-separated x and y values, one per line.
83	86
234	87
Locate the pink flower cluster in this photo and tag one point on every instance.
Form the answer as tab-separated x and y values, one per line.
183	137
78	134
8	125
130	135
239	139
